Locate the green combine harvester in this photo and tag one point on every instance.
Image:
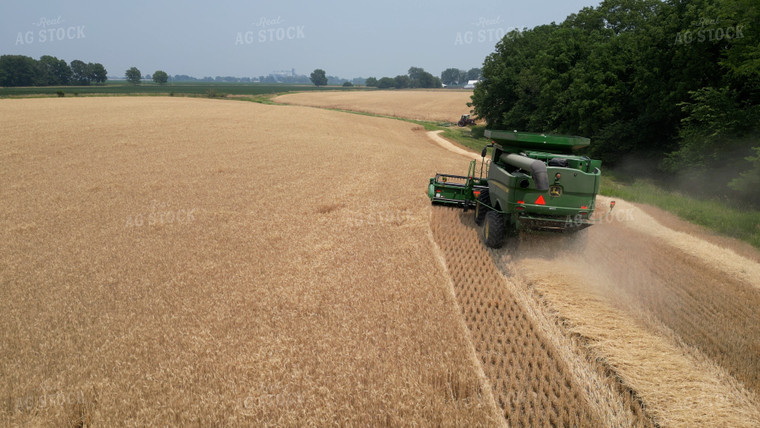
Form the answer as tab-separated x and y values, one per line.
534	183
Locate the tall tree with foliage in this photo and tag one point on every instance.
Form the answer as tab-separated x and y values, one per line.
160	77
97	73
80	73
647	80
402	81
452	76
54	71
386	83
422	79
318	77
133	75
18	70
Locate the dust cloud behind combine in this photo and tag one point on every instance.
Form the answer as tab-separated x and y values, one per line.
668	321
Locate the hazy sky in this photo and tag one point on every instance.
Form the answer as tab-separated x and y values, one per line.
252	38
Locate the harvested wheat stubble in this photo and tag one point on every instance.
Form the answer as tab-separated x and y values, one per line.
197	262
709	309
443	105
676	388
534	381
613	302
675	331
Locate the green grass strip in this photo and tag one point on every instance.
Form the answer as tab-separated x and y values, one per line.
743	224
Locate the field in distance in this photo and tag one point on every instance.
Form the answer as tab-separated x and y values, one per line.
441	105
217	89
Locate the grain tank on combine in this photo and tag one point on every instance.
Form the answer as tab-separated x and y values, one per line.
534	183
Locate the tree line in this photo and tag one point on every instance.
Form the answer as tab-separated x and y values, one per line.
457	77
416	77
19	70
670	88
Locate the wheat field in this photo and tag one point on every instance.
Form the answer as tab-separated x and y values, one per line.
214	263
196	262
442	105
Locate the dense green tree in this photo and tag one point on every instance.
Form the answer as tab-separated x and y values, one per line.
415	73
54	71
160	77
402	81
133	75
97	73
318	77
386	82
18	70
80	73
371	82
647	80
473	74
420	78
452	77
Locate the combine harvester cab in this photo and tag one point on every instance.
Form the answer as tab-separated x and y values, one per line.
534	183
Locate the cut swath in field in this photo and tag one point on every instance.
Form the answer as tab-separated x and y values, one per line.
536	379
644	366
706	297
642	308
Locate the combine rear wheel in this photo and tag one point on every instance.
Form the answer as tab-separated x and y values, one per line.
480	209
494	229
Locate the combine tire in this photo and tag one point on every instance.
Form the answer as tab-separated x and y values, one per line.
494	229
480	209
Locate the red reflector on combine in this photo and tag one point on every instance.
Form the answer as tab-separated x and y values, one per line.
476	193
583	207
437	190
520	202
540	200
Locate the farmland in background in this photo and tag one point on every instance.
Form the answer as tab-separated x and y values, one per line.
441	105
178	88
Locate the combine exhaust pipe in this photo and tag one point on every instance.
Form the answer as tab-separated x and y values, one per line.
536	167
